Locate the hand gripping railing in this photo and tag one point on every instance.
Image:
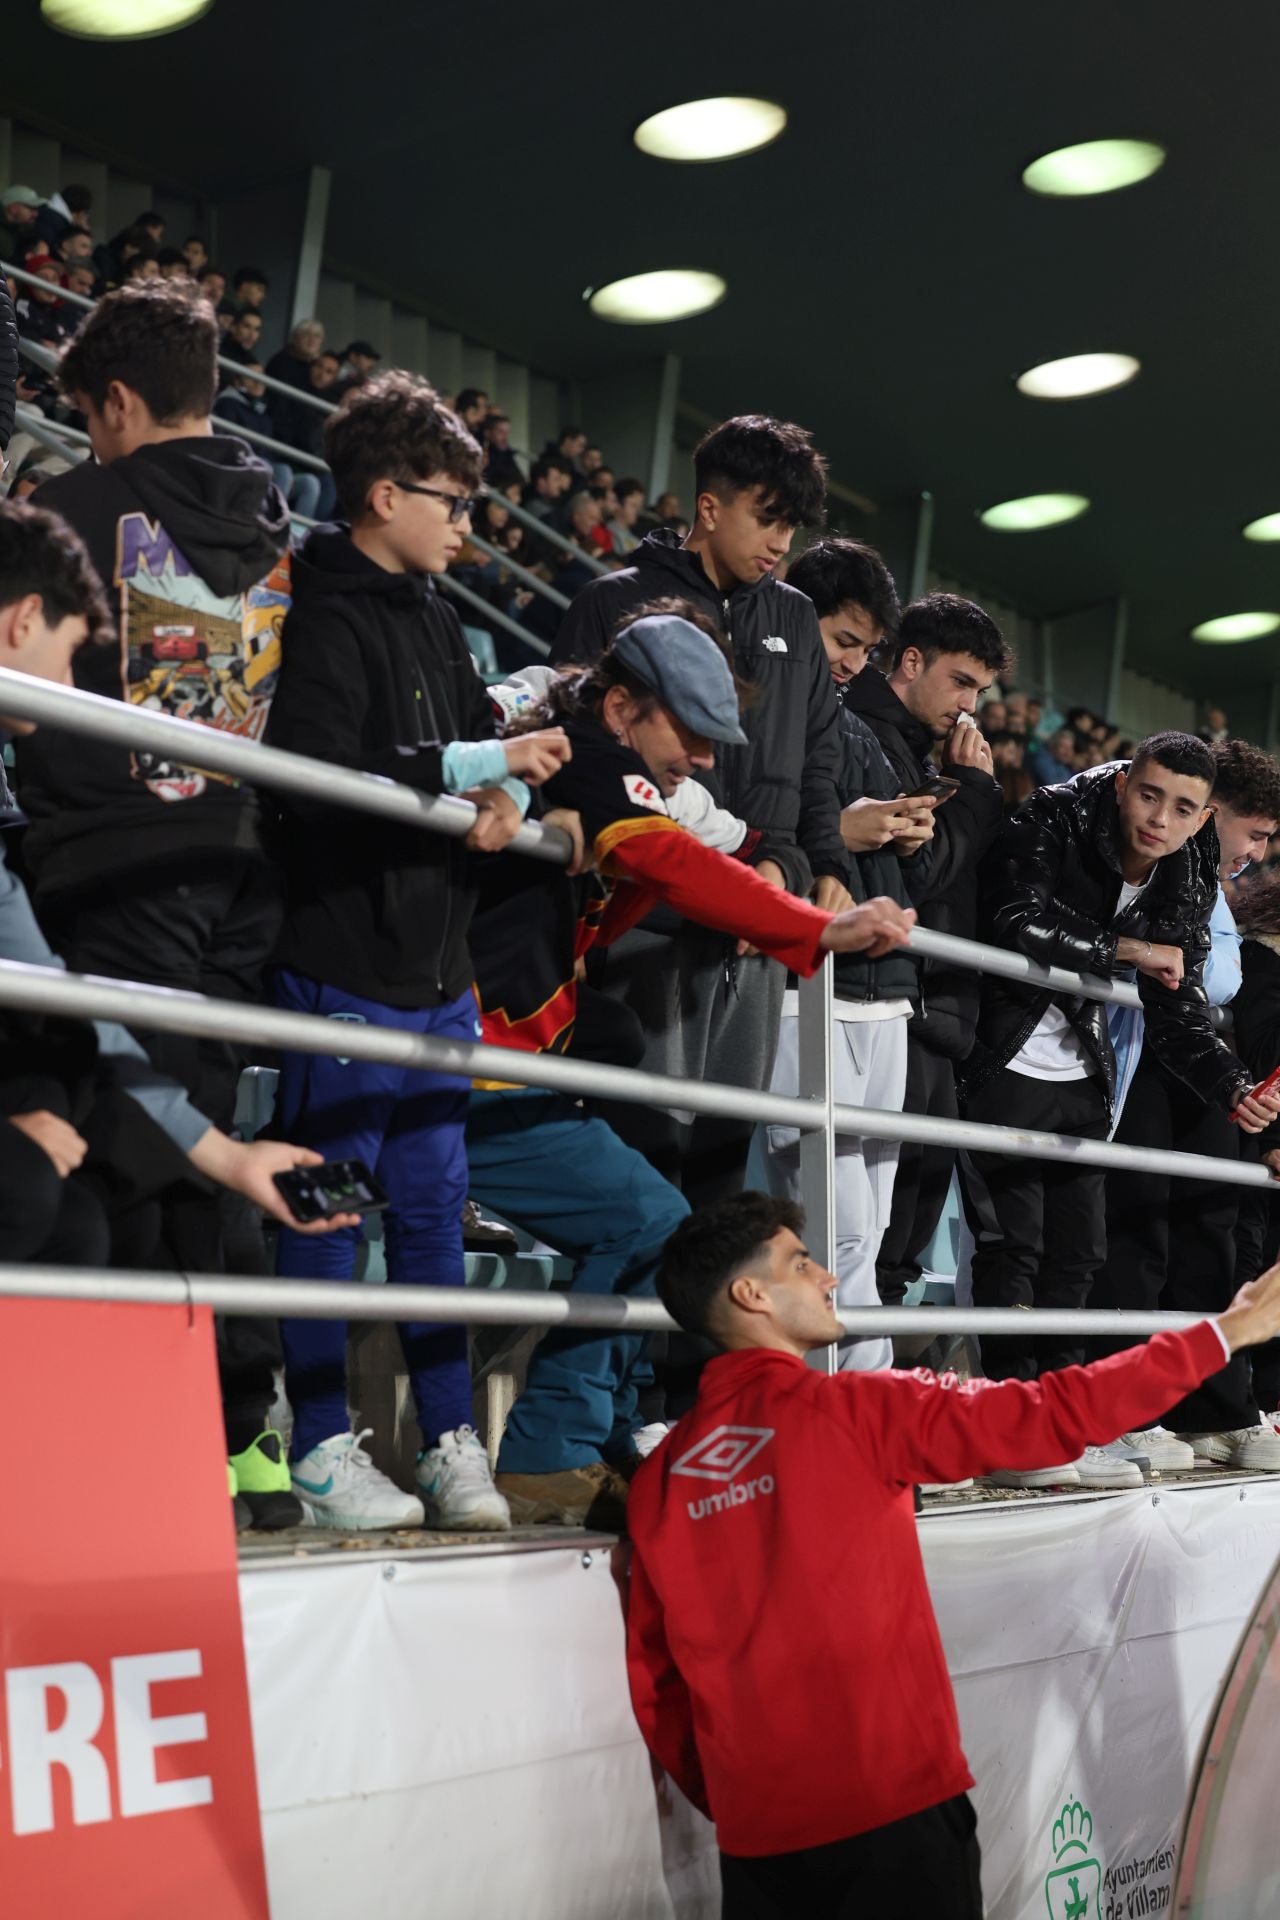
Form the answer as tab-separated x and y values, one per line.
236	367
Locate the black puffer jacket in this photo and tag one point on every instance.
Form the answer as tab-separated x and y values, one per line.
784	782
866	774
1050	890
942	879
8	365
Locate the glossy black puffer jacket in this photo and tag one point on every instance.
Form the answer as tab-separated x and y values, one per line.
1050	890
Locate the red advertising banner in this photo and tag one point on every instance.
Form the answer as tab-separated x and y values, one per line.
127	1784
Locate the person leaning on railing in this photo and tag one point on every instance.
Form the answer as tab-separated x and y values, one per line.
93	1135
376	675
785	1664
651	712
1115	868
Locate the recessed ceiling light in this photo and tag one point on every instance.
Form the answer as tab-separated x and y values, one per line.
1078	375
1267	528
672	293
711	129
1096	166
1034	511
1230	628
121	19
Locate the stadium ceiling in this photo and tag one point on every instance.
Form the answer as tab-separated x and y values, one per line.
889	275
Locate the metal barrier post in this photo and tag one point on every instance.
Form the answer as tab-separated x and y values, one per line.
817	1149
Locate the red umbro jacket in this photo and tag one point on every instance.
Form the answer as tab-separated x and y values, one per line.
785	1663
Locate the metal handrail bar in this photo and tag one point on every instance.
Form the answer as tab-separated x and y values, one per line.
461	591
513	567
192	744
506	1307
981	958
228	366
521	513
294	456
34	989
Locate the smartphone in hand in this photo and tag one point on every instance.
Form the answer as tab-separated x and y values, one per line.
1269	1085
939	787
340	1186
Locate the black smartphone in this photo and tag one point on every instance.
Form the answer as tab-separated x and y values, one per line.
940	787
341	1186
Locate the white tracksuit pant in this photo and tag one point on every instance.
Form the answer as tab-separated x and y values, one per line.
869	1069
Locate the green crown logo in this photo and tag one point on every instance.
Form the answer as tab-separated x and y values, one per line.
1072	1830
1073	1888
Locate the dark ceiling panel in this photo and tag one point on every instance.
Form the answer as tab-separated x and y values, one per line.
888	274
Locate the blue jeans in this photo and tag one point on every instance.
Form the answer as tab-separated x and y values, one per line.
566	1177
408	1128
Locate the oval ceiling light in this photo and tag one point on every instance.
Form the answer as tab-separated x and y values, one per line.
643	299
711	129
1079	374
1033	511
1096	166
1231	628
1267	528
121	19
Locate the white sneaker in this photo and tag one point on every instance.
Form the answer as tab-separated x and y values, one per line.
945	1486
650	1438
339	1486
1249	1449
1034	1477
455	1481
1163	1450
1107	1468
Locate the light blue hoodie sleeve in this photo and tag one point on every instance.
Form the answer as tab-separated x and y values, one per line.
482	763
1222	973
163	1100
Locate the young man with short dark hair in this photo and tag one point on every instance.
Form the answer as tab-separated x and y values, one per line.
945	655
1171	1243
472	407
377	675
875	1000
1115	869
785	1664
144	869
758	481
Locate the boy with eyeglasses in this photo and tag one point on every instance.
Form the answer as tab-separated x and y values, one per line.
377	676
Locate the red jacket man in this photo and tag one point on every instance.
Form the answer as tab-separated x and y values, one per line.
785	1663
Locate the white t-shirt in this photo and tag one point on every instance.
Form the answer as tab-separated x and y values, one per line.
1055	1051
850	1011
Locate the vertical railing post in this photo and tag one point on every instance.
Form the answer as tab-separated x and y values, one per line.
817	1148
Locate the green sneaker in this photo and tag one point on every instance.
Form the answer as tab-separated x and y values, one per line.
262	1480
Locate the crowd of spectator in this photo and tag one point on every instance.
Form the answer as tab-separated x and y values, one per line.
754	770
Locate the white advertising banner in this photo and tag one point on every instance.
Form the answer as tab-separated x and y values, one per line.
453	1736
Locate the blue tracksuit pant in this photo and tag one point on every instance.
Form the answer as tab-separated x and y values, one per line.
567	1178
408	1128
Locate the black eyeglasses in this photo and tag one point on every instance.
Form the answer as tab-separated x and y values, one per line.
457	503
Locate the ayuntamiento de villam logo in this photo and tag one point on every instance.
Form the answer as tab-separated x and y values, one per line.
1073	1887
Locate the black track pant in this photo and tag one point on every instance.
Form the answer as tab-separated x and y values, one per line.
926	1867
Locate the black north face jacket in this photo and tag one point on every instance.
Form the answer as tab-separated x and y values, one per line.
785	783
1050	890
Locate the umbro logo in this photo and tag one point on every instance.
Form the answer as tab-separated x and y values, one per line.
723	1453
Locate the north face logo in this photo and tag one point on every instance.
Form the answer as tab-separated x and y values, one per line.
723	1453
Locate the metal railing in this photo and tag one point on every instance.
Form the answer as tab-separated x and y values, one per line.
817	1118
236	368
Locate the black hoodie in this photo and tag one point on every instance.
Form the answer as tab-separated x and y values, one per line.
942	879
785	783
377	675
191	539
